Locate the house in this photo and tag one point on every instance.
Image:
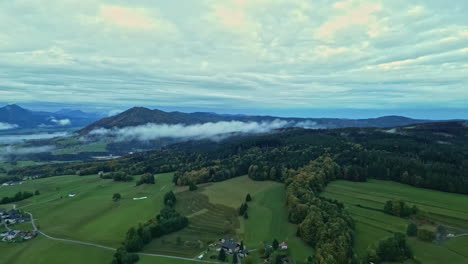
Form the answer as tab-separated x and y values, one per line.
229	245
283	246
12	234
71	194
100	173
10	221
11	183
243	253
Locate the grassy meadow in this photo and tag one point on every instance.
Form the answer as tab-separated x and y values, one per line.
91	215
365	200
212	210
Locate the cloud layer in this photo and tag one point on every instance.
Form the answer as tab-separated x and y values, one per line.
13	139
9	151
5	126
214	131
235	53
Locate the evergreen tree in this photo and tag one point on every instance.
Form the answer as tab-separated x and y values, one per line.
222	255
275	244
412	230
116	197
192	186
234	258
248	198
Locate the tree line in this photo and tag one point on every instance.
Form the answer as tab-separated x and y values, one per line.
324	224
19	196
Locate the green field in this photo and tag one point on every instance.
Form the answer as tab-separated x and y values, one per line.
44	251
365	200
212	211
91	215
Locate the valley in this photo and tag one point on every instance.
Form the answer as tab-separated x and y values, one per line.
319	193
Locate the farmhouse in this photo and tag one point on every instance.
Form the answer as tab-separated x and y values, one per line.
12	217
17	235
11	183
229	245
12	234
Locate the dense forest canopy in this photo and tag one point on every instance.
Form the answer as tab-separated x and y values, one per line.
428	155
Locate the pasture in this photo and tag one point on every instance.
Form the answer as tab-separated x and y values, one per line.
213	214
42	250
91	215
366	200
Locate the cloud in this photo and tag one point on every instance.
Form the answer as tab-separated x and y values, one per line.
253	54
61	122
13	139
5	126
127	17
213	131
7	151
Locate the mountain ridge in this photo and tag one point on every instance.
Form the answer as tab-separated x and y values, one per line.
136	116
20	117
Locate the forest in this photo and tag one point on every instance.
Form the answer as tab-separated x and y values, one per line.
428	155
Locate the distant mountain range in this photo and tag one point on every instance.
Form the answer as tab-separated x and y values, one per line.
15	117
139	116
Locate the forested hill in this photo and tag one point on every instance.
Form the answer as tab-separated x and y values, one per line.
426	155
140	116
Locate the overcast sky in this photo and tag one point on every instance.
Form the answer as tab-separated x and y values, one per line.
270	56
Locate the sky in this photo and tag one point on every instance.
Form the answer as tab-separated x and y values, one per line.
351	58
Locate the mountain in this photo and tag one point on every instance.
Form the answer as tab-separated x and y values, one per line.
20	117
78	114
17	117
140	116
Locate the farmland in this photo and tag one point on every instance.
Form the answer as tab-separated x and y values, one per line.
212	211
91	216
365	200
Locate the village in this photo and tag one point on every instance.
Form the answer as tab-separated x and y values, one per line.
14	217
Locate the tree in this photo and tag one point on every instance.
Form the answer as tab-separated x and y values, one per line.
246	216
37	192
412	229
222	255
116	197
234	258
426	235
170	198
192	186
248	198
275	244
243	209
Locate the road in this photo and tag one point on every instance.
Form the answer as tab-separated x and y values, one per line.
109	248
